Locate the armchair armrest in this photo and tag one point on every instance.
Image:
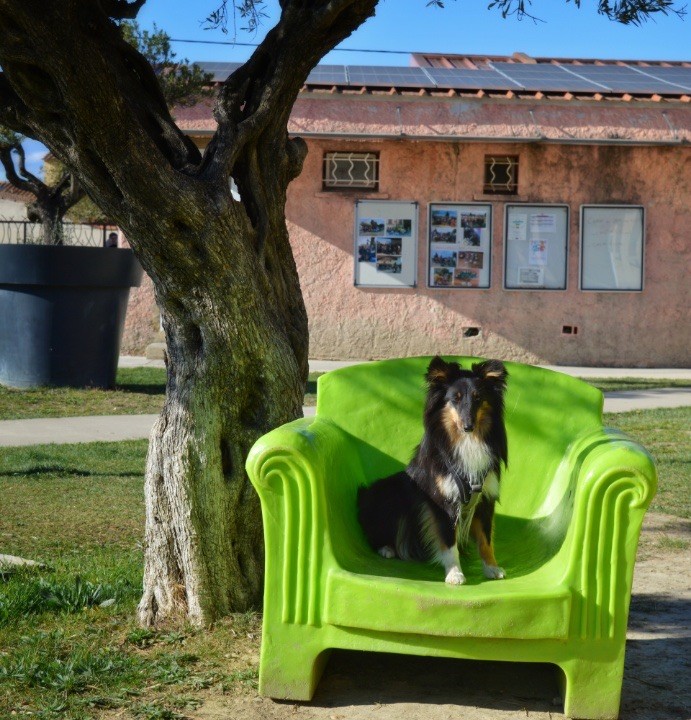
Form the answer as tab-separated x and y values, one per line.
615	480
291	468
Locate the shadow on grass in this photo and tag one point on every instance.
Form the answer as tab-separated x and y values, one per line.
141	389
145	381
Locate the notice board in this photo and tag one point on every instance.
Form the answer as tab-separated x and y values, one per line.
535	246
612	247
459	245
385	243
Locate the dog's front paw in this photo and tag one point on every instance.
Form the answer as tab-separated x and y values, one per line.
493	572
455	576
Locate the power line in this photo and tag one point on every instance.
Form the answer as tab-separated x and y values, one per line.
247	44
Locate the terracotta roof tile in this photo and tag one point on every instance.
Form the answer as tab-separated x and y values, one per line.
10	192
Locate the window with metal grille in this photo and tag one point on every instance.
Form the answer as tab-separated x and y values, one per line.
351	170
501	174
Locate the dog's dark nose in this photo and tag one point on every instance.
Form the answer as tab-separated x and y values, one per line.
468	428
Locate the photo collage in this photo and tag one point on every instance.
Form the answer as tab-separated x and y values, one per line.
380	243
459	242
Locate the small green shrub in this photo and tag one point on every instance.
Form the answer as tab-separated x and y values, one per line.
24	596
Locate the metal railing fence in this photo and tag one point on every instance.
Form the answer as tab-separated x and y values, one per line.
24	232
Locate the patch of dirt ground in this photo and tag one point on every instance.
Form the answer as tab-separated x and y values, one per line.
371	686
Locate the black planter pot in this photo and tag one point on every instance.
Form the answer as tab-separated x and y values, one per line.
62	313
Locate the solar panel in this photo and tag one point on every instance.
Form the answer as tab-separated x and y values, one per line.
676	78
383	76
547	78
328	75
219	70
463	79
621	79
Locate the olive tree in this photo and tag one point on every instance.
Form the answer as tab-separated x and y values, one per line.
224	275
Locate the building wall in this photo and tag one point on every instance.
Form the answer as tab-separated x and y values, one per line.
12	210
649	328
142	322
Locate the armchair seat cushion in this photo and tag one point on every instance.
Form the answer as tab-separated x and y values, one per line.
413	602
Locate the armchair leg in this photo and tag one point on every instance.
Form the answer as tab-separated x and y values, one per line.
292	663
592	689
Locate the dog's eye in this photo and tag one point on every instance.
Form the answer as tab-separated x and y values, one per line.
458	397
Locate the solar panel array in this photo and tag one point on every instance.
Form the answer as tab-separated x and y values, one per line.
502	76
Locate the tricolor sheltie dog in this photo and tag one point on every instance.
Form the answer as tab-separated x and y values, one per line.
448	490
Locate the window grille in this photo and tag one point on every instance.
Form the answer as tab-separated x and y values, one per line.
351	170
501	174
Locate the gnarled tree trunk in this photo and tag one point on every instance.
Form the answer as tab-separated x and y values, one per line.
237	366
49	214
222	269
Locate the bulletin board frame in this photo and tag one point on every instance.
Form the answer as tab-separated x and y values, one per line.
536	246
462	246
385	244
612	244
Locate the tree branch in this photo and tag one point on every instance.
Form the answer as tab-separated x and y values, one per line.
75	191
19	149
80	61
13	111
261	93
627	12
23	180
122	9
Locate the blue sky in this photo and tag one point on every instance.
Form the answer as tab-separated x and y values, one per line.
463	26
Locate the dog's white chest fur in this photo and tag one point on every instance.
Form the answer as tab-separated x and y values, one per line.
473	459
474	456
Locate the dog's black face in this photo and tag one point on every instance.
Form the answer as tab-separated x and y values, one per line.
466	399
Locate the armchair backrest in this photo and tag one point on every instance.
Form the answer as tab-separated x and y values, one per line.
379	404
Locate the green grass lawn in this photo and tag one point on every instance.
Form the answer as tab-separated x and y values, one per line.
666	434
138	391
69	642
616	384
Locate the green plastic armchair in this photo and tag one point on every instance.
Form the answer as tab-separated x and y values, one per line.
566	532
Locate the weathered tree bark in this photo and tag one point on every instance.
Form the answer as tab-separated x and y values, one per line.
223	271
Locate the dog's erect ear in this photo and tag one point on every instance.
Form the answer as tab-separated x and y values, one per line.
437	371
492	371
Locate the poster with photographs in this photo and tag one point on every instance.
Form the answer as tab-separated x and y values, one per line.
535	246
460	241
385	243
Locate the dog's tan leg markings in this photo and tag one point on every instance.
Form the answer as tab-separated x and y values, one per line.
484	546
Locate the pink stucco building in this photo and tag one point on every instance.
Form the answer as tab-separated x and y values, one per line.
548	207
